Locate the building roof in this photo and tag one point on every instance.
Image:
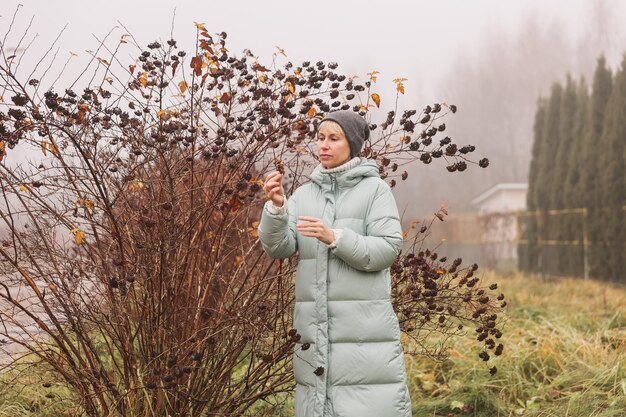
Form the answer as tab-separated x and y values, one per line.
503	186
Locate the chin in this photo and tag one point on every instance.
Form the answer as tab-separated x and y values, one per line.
329	164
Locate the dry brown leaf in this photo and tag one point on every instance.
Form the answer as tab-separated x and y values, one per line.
174	66
79	235
225	98
200	26
196	64
235	203
205	45
86	203
182	86
164	115
136	185
204	77
143	79
376	99
52	147
373	76
258	67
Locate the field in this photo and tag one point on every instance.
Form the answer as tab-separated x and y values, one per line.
564	355
565	344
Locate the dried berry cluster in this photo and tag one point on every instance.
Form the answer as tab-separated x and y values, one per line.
228	107
434	295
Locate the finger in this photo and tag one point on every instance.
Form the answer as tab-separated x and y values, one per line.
270	191
278	190
269	183
272	175
275	176
308	226
303	226
273	184
272	181
309	219
312	228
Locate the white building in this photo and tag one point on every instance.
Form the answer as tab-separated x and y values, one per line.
505	197
498	209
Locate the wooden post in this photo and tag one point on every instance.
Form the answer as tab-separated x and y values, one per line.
585	245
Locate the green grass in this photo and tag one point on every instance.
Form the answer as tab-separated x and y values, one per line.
565	344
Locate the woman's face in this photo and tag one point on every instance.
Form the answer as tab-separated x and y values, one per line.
333	149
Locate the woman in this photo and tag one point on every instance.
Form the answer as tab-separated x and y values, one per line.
346	228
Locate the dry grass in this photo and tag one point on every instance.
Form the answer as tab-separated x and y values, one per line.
565	344
564	356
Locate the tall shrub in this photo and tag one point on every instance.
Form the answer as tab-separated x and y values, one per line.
132	234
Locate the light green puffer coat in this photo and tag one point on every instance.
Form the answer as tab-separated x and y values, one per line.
343	307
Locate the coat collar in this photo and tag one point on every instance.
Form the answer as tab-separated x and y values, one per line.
345	179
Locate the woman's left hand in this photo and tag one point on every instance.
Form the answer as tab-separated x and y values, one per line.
314	227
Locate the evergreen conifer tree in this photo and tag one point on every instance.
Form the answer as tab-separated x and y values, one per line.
559	221
574	223
545	172
528	251
611	175
590	181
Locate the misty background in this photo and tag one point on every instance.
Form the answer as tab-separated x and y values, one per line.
492	59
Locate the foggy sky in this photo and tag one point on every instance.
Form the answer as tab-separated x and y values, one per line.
414	39
424	41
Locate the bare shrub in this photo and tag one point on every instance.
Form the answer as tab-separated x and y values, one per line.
129	257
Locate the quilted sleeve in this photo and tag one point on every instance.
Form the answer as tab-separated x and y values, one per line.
379	247
277	232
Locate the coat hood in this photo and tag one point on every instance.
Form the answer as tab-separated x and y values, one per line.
345	179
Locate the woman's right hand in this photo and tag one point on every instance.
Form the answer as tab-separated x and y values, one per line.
274	188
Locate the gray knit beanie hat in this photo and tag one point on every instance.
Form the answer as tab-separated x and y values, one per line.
354	127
